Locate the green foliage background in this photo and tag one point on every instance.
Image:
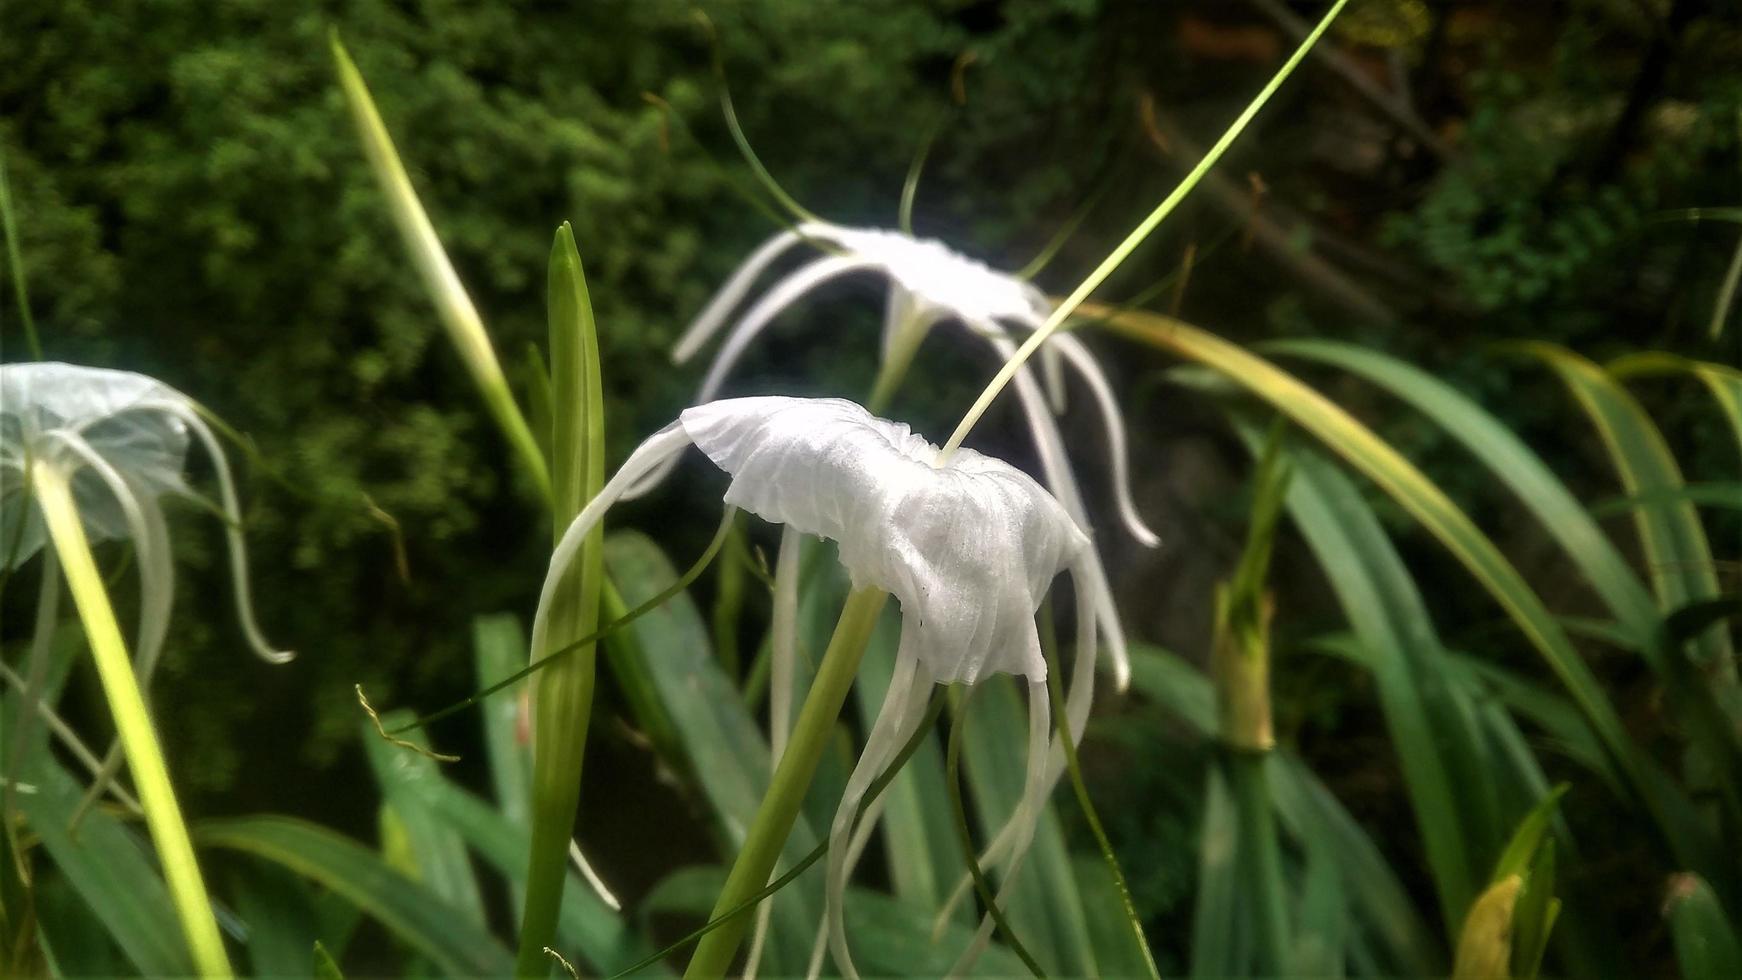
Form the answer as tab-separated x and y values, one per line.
194	205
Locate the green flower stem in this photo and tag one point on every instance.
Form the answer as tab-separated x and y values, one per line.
893	370
1123	251
786	791
132	723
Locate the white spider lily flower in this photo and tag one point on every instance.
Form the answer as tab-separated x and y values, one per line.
929	283
968	548
123	440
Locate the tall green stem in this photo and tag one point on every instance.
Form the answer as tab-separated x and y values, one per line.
132	723
786	791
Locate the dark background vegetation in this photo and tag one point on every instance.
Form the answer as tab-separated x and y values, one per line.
194	205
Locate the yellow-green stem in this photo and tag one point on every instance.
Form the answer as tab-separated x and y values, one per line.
893	370
132	723
786	791
1125	248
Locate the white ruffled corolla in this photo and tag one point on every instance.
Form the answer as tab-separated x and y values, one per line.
122	440
968	548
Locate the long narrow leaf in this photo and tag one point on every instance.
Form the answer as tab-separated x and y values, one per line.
1672	813
666	654
429	925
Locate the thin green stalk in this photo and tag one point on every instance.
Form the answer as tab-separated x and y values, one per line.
953	781
15	259
893	371
552	658
132	723
564	697
812	732
1093	818
1138	234
910	186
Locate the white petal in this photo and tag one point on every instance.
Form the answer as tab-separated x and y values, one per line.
40	398
1056	468
968	549
1078	696
784	293
1027	814
731	294
183	411
660	446
1079	357
593	880
1052	371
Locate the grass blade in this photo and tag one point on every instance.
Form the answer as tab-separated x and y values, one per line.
465	328
428	924
108	868
438	853
1708	945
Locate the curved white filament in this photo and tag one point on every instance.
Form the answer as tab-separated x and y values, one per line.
232	528
731	294
1056	468
1089	370
596	883
662	445
1078	697
903	710
1023	820
782	295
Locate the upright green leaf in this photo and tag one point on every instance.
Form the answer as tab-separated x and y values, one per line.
1310	813
1708	942
717	742
437	853
1438	746
563	693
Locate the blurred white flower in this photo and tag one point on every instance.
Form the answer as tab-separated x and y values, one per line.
122	440
967	547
